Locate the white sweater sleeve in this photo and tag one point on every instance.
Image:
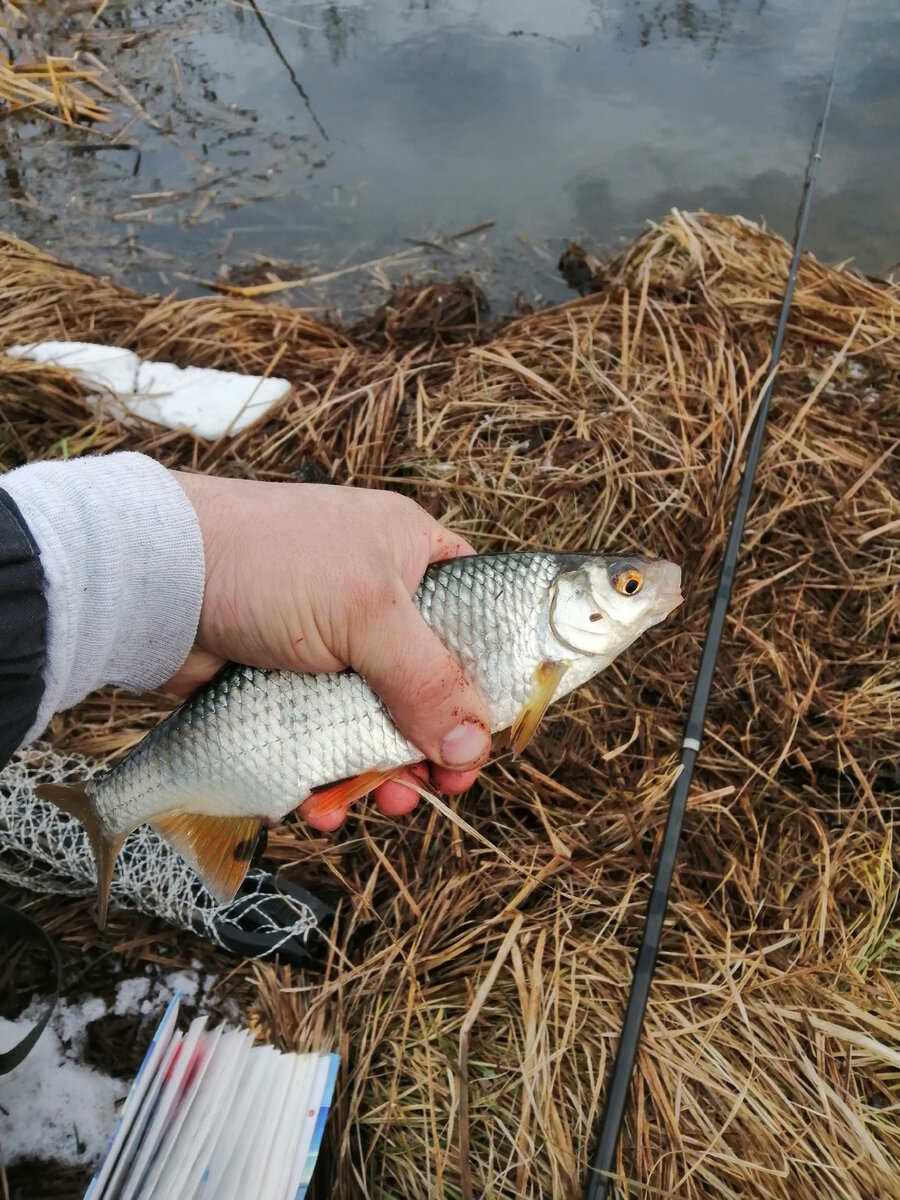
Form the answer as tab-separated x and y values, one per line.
122	556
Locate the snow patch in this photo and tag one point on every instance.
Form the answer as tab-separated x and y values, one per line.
185	982
129	995
70	1021
208	403
52	1107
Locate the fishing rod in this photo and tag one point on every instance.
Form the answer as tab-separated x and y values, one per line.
601	1168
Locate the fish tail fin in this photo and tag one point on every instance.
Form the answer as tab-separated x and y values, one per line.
218	848
105	846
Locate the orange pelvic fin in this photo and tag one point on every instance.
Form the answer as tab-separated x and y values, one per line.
547	677
337	796
218	848
105	846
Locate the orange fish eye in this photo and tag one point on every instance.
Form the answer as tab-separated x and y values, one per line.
629	583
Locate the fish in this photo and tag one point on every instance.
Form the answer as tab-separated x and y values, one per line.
526	628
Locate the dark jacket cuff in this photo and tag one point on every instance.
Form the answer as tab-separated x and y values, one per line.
23	628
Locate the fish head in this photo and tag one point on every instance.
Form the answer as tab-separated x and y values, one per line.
605	604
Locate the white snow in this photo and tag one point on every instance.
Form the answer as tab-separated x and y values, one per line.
206	402
185	982
50	1105
71	1020
129	995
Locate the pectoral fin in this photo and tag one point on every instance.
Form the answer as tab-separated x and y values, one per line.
336	796
548	676
105	846
218	848
501	740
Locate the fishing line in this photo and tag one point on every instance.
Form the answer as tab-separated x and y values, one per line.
600	1170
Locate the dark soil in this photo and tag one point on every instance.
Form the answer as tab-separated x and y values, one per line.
34	1179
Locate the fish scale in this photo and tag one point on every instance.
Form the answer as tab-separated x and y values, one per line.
499	656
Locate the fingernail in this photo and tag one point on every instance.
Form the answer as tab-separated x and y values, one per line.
465	745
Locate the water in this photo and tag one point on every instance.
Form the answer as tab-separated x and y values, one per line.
333	134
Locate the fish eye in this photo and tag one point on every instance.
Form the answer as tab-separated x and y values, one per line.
629	582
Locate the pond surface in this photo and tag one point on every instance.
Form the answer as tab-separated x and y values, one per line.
330	135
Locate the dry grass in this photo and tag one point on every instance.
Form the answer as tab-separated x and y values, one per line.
477	1000
61	87
58	87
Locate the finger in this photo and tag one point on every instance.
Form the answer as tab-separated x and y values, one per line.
198	668
452	782
324	822
425	691
431	543
443	544
400	795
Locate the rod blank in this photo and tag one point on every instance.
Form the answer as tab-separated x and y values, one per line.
600	1171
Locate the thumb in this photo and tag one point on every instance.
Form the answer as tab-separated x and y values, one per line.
423	687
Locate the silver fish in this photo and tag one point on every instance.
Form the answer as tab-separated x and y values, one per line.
526	628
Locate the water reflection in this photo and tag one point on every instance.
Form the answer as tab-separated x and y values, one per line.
328	134
642	23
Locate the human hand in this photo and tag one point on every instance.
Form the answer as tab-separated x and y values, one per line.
313	577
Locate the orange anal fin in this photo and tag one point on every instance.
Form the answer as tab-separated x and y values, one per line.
105	846
547	677
218	848
337	796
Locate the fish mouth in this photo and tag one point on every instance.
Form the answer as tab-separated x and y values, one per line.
669	594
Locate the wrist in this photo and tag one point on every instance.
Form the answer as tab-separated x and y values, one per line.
123	566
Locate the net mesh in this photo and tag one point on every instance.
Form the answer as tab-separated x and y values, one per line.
45	850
